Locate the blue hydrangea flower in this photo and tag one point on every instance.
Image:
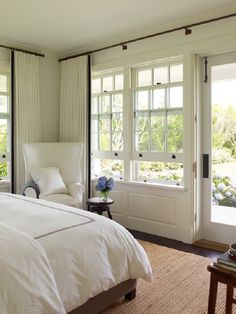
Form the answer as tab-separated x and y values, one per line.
221	186
219	196
104	184
110	184
228	194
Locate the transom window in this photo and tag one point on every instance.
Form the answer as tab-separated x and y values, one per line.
146	145
4	124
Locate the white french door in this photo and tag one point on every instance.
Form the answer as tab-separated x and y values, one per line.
218	221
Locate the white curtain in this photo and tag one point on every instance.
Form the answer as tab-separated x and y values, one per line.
74	107
27	118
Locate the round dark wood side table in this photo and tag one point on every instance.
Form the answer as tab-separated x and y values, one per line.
100	205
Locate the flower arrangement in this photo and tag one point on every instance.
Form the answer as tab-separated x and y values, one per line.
104	185
223	191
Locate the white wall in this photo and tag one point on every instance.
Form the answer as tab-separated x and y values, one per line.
5	55
154	209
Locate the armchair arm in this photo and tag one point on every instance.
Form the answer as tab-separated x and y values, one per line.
76	190
31	190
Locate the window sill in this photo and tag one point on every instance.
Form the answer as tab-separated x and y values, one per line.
148	185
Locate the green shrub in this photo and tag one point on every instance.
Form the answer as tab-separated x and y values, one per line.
3	169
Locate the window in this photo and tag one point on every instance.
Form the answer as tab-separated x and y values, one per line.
107	124
158	124
137	128
4	124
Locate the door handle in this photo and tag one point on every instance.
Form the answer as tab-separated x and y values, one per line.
205	167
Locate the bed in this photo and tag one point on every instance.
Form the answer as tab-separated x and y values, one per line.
57	259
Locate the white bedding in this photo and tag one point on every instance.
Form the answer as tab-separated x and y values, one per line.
81	254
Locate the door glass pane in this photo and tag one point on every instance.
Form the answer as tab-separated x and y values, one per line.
161	75
108	83
176	73
223	108
3	83
158	98
144	78
175	133
142	100
176	97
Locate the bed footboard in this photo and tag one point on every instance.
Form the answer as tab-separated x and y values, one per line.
131	295
103	300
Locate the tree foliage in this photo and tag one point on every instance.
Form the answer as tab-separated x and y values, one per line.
224	128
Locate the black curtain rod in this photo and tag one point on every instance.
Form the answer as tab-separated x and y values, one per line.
124	43
22	50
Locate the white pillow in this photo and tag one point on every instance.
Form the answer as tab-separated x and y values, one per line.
49	181
61	199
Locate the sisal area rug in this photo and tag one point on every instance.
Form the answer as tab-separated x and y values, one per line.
180	285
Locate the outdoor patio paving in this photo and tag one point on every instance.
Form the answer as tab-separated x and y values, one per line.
223	214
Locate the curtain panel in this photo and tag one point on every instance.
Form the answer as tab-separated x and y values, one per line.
27	118
74	109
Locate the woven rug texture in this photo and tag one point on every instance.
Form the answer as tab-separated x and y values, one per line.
180	285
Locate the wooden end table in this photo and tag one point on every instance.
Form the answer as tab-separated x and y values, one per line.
228	277
98	205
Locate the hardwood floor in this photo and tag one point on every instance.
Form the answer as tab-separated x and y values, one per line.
177	245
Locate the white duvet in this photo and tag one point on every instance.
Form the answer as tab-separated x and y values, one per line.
54	258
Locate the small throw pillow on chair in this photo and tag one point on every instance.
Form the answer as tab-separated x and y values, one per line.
49	181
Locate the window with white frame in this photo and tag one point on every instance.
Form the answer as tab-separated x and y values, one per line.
158	124
150	147
4	124
107	124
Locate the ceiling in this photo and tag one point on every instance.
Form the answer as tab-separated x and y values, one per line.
62	26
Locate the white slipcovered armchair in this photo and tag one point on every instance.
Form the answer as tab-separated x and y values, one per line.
53	172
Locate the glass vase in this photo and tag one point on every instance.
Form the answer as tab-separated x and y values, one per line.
104	195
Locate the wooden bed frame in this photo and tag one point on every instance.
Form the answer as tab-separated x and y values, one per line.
103	300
